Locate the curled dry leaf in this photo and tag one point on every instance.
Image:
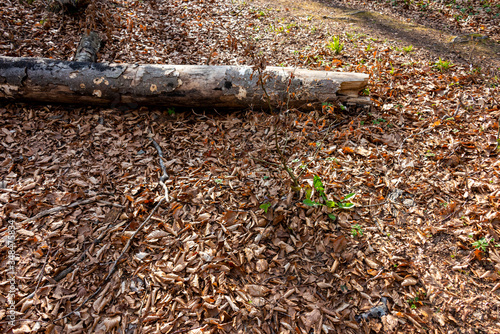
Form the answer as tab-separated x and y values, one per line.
310	319
157	234
261	265
111	323
256	290
409	281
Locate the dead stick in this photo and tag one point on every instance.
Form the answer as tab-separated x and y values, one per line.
60	208
115	263
41	273
164	175
129	242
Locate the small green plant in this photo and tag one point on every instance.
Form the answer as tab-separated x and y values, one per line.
219	181
326	105
378	121
368	47
171	111
408	49
265	206
335	45
392	71
413	302
442	65
481	244
320	189
365	92
357	230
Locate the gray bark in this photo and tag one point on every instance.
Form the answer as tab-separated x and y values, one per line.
88	47
48	80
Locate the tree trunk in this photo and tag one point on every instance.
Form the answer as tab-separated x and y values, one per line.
47	80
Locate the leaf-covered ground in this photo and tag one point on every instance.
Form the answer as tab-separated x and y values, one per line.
235	249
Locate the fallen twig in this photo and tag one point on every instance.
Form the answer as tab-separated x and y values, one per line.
164	175
62	207
129	242
115	263
267	162
459	104
41	272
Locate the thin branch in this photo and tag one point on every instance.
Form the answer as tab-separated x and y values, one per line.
41	272
129	242
164	175
62	207
267	162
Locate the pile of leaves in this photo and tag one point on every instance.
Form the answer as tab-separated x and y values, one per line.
393	228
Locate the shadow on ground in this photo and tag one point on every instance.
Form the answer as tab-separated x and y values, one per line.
484	53
476	50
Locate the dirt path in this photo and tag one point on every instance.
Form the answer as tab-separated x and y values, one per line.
474	49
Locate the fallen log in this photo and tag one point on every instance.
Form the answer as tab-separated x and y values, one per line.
56	81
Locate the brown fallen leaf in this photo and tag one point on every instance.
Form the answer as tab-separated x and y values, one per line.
310	319
256	290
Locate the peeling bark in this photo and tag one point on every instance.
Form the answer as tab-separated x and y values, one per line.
47	80
88	48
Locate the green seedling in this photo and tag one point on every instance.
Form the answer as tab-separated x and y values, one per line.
335	45
357	231
378	121
412	302
320	189
442	65
265	206
408	49
481	244
171	111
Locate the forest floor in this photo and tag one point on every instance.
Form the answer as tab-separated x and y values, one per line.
235	248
